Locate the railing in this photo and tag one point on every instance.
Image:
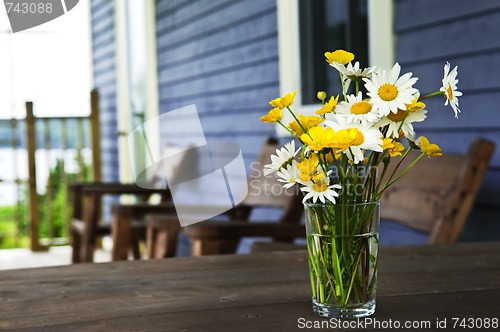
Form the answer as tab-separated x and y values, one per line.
54	144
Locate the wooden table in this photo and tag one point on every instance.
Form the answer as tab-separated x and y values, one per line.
260	292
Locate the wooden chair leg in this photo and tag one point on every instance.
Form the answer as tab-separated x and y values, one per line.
150	242
171	243
76	245
165	244
121	230
161	236
87	247
134	242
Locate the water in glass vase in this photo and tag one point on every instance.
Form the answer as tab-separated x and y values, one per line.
342	245
343	281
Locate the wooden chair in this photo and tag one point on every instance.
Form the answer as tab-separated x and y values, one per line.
220	237
126	226
85	224
436	196
433	199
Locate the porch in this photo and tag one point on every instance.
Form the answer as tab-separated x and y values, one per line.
218	81
23	258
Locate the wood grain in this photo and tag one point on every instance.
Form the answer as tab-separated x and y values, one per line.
259	292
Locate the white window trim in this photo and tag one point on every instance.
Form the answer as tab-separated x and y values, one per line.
123	102
122	93
152	93
381	48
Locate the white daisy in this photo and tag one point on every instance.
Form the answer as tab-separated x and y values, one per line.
289	175
320	189
402	120
450	88
355	109
354	138
283	157
388	92
353	73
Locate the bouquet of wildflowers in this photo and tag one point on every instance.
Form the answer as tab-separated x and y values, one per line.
352	137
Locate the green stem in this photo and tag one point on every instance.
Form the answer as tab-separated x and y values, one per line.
402	174
352	278
287	129
296	119
343	85
430	95
395	169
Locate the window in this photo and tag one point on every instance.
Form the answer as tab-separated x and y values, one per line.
137	89
328	25
307	29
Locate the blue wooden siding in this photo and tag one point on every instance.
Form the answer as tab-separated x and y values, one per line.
429	33
103	57
221	55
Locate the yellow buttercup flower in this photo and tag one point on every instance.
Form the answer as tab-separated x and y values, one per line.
339	56
274	115
308	169
387	143
432	150
306	122
321	95
287	100
284	102
393	147
332	155
346	138
318	138
329	106
354	139
415	105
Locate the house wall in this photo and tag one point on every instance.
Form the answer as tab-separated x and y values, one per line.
221	55
103	57
429	33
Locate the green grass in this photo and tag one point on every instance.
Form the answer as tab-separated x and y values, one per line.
9	237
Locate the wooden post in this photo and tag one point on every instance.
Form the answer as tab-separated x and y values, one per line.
34	215
95	135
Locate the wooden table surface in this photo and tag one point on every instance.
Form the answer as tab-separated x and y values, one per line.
260	292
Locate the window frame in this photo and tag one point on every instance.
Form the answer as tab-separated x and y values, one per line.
381	48
124	117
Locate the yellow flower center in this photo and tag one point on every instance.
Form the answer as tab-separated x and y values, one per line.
449	91
320	186
397	117
388	92
361	107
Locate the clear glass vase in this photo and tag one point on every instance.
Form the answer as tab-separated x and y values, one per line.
342	245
